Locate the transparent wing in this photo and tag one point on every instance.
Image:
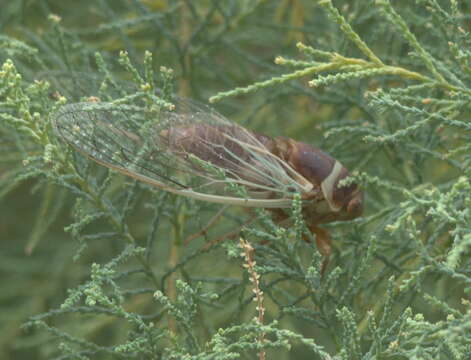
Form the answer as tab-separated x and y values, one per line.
190	150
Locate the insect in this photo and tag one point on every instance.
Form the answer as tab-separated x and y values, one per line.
191	150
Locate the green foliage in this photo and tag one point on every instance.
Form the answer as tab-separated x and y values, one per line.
138	273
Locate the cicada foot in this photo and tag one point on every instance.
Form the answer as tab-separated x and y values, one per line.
323	243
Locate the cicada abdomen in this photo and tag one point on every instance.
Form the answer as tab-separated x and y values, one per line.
246	158
225	147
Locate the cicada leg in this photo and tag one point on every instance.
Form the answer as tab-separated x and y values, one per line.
323	240
323	243
228	235
213	221
209	225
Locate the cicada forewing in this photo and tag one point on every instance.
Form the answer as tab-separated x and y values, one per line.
190	150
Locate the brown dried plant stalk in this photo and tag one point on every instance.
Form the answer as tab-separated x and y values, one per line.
254	277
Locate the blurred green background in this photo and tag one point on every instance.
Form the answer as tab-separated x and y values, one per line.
215	46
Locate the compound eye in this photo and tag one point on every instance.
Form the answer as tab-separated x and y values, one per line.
355	205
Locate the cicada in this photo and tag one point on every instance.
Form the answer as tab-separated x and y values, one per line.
191	150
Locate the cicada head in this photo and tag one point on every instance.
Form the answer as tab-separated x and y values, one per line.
325	173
